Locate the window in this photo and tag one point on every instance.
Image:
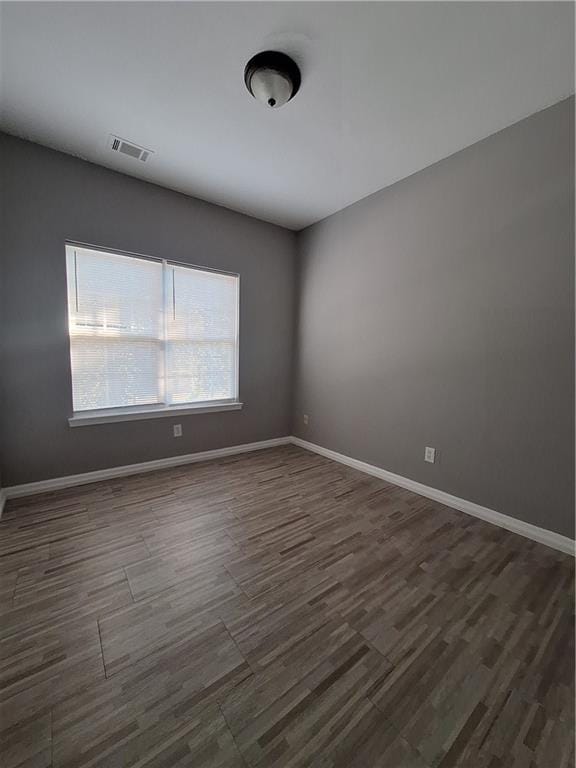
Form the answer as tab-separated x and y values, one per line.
152	333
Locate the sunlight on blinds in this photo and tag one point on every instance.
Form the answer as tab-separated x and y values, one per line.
200	335
115	316
145	332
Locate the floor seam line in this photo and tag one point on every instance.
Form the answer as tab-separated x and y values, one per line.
219	705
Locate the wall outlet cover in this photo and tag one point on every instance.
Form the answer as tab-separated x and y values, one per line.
430	455
177	430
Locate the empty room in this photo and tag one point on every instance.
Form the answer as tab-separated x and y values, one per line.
287	445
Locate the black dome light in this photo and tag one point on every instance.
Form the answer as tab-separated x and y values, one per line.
273	78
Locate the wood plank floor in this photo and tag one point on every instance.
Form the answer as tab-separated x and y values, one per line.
277	609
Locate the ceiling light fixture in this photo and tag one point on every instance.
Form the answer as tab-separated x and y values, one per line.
272	77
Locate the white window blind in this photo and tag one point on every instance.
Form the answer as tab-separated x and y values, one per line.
149	333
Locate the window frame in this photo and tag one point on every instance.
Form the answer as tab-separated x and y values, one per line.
163	409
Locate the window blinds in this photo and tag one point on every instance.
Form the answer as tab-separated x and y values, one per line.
146	332
200	335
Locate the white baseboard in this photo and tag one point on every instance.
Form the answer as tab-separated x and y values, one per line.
529	531
541	535
42	486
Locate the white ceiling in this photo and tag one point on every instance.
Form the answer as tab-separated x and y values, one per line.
388	88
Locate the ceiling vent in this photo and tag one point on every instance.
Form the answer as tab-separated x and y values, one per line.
128	148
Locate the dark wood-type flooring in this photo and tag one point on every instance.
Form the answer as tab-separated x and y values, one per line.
277	609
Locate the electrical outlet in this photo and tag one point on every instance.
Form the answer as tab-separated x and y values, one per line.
305	419
430	455
177	430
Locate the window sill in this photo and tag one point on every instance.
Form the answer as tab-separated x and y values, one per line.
89	418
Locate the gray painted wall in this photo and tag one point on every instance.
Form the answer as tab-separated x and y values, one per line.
47	197
440	312
436	312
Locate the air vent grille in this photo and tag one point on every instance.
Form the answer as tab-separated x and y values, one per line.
129	149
